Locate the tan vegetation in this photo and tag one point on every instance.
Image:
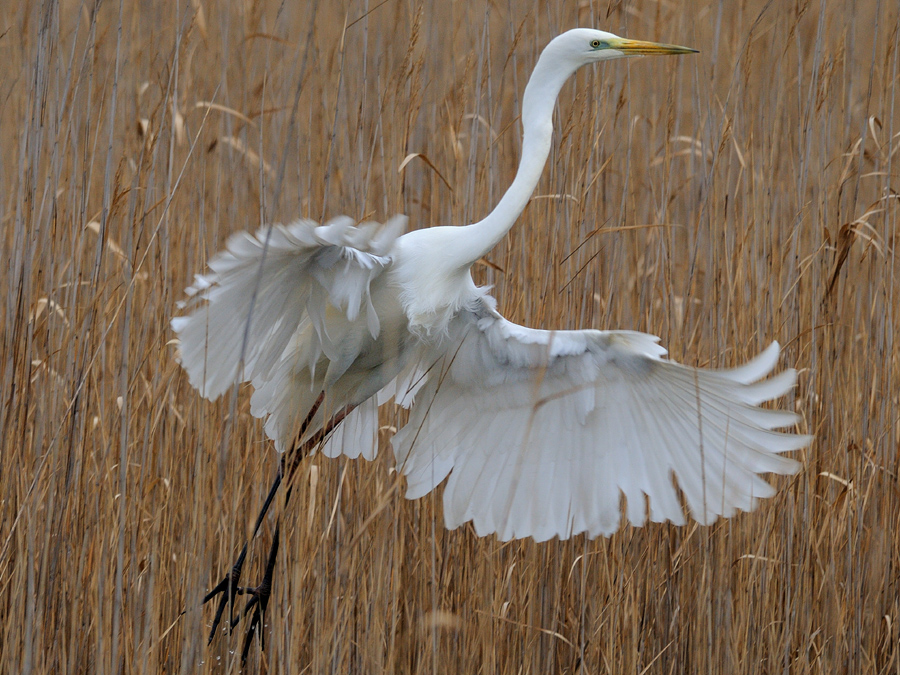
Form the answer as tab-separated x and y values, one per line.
721	201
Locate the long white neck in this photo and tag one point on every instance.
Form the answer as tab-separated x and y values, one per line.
537	121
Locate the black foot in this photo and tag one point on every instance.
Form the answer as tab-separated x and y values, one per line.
259	600
229	589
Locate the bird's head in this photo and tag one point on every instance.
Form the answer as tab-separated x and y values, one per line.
581	46
566	53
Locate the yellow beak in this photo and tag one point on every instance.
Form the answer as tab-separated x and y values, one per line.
639	47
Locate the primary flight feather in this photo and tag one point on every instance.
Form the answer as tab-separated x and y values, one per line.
538	432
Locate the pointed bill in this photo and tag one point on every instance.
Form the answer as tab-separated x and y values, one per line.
640	47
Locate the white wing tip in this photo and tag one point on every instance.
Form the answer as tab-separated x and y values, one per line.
756	368
637	342
179	323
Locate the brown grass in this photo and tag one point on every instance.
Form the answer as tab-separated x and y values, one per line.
721	201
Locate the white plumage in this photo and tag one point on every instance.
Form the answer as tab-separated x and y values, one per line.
540	432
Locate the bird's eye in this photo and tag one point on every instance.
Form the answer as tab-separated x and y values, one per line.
595	44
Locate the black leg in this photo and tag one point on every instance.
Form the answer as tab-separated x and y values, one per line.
229	586
259	601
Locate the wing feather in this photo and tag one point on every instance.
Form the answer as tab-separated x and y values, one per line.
291	309
543	432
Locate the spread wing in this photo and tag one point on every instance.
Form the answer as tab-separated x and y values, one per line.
288	309
542	431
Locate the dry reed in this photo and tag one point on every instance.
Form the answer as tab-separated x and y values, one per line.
723	200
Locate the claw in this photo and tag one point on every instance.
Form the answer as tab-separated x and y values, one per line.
260	600
258	603
229	589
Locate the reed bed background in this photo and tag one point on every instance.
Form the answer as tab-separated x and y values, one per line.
720	200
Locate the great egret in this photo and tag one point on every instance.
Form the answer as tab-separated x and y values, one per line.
540	432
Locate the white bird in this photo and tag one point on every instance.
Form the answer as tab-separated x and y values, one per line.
539	431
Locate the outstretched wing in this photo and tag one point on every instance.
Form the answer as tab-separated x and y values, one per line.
541	432
280	304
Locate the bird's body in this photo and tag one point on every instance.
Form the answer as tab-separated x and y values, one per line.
540	432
